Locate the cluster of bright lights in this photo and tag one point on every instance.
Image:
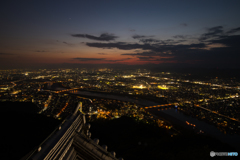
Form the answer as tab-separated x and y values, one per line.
162	87
128	76
140	87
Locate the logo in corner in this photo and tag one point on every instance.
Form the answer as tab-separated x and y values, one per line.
212	153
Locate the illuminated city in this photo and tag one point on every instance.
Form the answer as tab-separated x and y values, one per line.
141	94
120	80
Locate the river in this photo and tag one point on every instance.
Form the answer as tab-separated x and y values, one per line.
231	139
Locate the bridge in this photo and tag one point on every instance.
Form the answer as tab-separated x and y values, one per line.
169	105
216	112
71	140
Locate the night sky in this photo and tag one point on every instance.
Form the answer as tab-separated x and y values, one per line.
178	33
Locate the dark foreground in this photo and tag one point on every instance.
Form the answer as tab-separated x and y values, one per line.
22	129
133	139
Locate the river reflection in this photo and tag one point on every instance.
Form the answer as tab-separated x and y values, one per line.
138	101
232	139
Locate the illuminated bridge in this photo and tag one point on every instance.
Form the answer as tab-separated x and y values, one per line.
71	141
162	106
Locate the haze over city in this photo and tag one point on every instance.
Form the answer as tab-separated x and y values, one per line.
169	33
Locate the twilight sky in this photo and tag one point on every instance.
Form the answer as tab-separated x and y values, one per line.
189	33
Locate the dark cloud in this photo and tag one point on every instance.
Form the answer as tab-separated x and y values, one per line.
149	40
1	53
227	53
184	24
102	37
159	42
103	53
169	42
214	30
215	47
230	41
234	30
177	53
40	51
69	44
89	59
154	48
180	36
150	58
119	45
143	54
140	36
212	33
145	58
